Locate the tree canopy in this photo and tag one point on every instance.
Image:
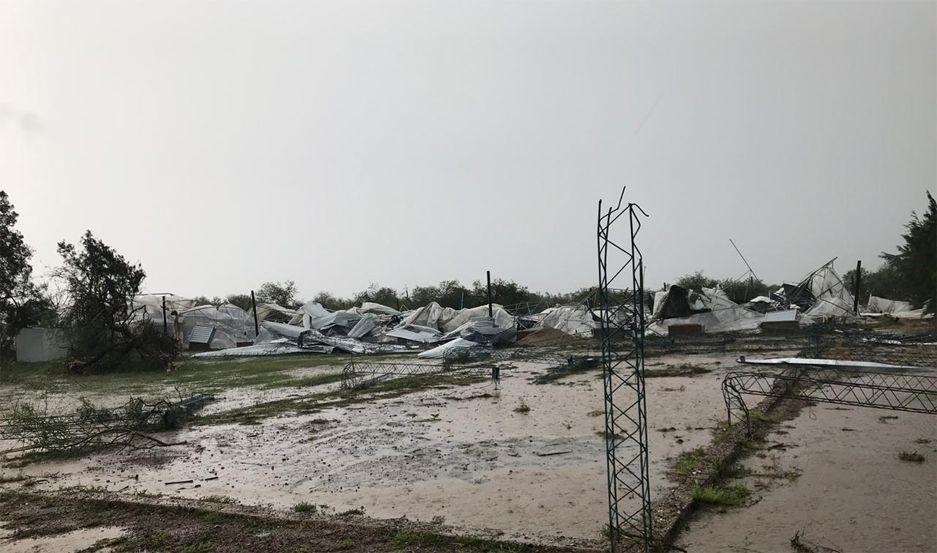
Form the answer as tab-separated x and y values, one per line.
281	293
915	264
22	302
99	319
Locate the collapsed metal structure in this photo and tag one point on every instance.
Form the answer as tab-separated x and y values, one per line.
621	315
357	374
829	384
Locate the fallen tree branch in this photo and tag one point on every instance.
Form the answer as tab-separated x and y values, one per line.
90	427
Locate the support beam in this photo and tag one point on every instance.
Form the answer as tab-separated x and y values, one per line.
165	323
490	313
254	307
858	284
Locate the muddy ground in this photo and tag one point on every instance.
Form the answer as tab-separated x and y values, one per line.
459	457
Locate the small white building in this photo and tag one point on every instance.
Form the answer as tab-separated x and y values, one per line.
39	344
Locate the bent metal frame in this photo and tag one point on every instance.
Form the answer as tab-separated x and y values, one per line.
915	393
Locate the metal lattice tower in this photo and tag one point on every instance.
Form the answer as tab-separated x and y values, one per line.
621	314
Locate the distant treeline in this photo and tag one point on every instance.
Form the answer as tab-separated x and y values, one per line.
884	282
448	293
452	293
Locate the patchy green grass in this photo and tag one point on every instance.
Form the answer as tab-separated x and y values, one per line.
758	416
213	517
214	375
151	527
304	507
689	462
200	547
725	496
470	543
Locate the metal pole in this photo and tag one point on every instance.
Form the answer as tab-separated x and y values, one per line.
745	261
165	326
858	282
490	315
254	306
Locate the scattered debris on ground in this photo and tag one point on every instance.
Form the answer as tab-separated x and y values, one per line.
801	544
574	365
911	457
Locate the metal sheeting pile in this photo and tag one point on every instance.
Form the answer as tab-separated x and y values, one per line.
877	307
373	328
711	309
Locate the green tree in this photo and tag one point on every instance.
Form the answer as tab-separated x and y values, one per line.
742	291
449	293
378	294
884	282
241	300
697	281
22	303
99	322
503	292
205	300
916	261
331	301
280	293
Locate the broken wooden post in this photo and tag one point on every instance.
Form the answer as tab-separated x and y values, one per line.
254	306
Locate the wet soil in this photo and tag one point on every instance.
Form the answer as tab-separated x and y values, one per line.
63	523
462	455
462	458
848	489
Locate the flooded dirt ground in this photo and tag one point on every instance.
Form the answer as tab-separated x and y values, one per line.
852	492
462	455
525	462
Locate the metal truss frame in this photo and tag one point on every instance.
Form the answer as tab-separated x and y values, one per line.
622	327
913	393
357	374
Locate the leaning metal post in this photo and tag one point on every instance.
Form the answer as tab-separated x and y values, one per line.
622	331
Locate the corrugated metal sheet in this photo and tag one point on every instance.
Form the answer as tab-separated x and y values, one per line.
781	316
201	334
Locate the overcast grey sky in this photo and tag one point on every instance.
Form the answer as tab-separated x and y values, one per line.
339	143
